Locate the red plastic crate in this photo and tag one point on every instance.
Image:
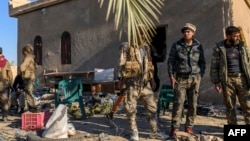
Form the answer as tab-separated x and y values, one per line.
34	121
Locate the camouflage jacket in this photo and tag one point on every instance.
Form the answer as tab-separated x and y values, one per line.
218	68
6	76
143	61
28	67
186	60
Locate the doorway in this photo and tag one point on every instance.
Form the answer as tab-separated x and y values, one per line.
159	48
158	51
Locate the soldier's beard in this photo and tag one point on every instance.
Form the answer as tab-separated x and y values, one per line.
234	42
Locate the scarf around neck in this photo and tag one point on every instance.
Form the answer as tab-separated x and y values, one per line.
2	61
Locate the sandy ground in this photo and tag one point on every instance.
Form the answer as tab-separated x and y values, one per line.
98	124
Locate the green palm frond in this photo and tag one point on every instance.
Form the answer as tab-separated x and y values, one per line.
133	13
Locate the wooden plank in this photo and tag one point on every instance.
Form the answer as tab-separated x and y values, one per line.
68	73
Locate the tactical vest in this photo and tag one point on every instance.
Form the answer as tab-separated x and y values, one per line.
3	72
150	65
132	67
29	72
4	79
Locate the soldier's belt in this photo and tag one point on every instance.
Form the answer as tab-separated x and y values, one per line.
235	74
185	75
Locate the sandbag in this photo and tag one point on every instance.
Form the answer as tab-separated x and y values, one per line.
56	127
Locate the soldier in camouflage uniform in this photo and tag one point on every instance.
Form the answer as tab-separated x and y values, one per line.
135	74
6	78
186	66
28	68
230	73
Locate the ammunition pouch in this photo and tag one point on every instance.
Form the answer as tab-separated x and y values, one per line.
150	69
28	73
131	69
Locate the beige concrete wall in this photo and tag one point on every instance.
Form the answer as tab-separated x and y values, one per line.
95	42
241	16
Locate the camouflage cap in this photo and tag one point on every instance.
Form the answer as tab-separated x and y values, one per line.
188	26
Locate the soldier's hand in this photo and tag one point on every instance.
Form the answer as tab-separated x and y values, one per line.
121	85
173	81
218	87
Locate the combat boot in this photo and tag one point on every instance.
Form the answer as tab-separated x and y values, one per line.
172	133
5	119
135	136
189	130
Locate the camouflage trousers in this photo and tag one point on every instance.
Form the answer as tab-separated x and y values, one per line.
185	88
18	96
236	87
29	96
146	96
4	101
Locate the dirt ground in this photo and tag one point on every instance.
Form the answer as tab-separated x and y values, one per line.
118	130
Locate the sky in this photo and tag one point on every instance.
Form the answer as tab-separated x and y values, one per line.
8	33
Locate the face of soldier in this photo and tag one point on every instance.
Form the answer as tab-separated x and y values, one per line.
188	34
234	38
24	53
